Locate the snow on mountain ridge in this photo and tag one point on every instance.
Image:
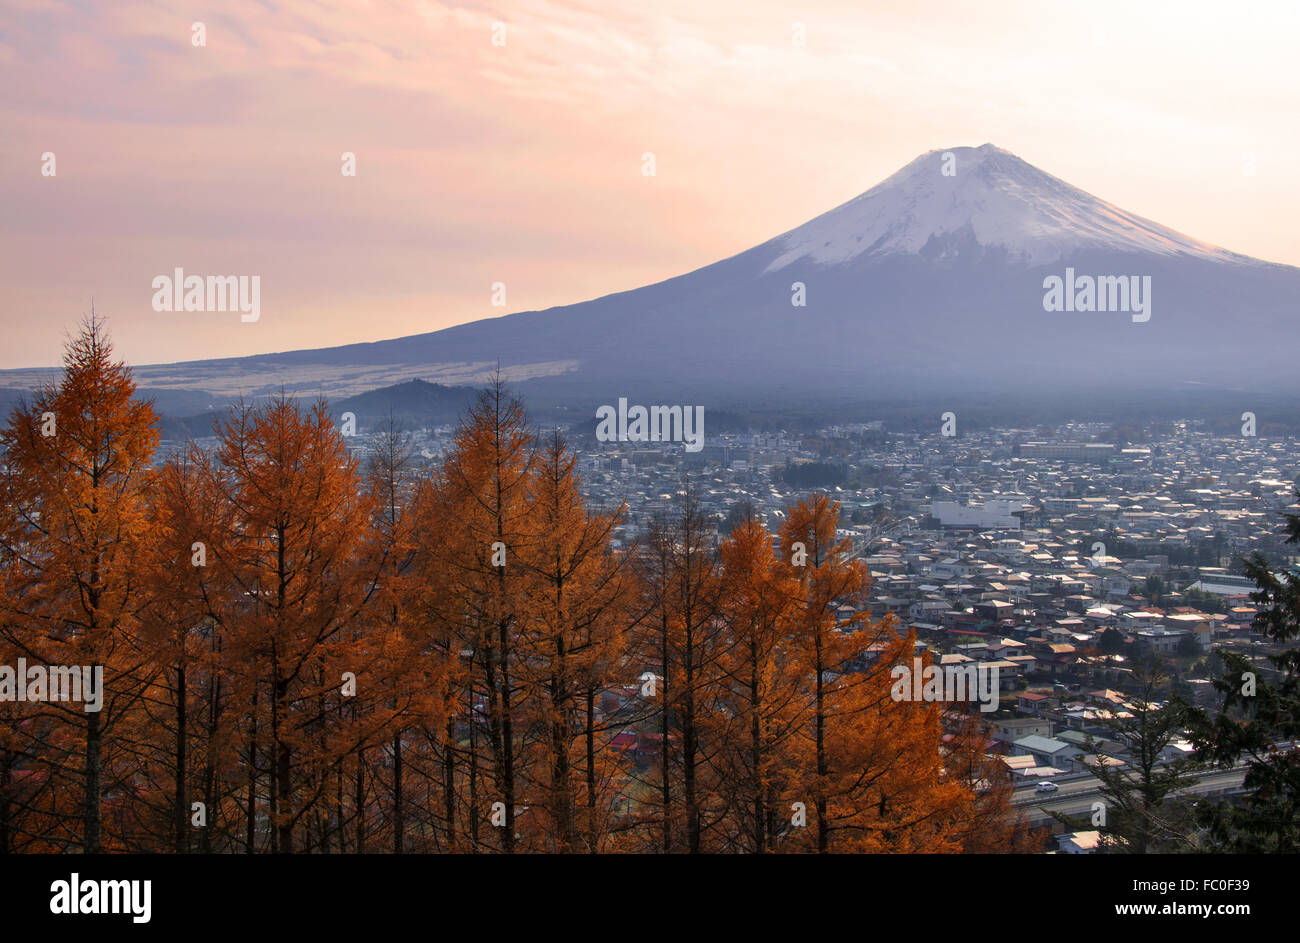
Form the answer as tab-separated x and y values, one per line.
995	196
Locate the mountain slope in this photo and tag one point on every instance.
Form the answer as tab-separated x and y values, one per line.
926	282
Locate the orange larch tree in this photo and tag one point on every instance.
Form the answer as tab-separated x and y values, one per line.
681	636
300	576
183	730
75	467
871	765
763	696
569	632
412	674
480	503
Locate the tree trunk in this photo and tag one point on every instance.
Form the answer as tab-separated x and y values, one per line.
93	815
507	738
250	820
283	761
592	842
449	781
182	831
473	775
688	738
561	799
665	788
209	770
756	752
6	784
397	793
823	826
359	801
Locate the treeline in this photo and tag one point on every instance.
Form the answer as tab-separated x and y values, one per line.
814	474
1205	551
303	653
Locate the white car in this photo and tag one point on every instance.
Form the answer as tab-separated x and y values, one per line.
1047	787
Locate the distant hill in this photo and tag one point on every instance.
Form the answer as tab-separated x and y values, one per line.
170	402
415	404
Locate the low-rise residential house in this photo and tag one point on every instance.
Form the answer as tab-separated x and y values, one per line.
1017	728
1198	624
1079	843
1164	641
1007	647
1049	751
1034	702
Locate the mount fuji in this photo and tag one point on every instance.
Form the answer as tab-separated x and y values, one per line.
932	281
993	197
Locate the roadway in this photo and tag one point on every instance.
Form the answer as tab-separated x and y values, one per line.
1077	793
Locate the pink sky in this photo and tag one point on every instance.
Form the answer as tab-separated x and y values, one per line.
522	163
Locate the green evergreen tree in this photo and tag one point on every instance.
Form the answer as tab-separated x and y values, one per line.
1139	812
1259	721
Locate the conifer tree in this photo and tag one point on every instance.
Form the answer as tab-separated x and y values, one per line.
299	574
76	477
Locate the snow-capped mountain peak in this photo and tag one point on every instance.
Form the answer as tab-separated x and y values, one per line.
926	283
987	194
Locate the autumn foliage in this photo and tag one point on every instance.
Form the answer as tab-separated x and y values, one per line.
304	652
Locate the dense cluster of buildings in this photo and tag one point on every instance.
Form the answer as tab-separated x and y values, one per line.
1058	561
